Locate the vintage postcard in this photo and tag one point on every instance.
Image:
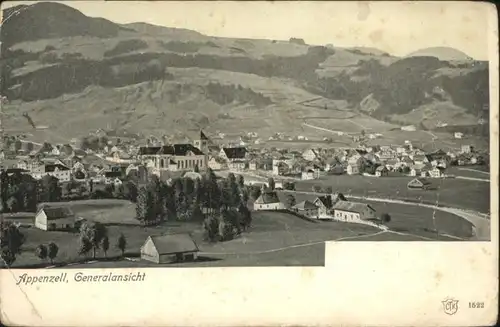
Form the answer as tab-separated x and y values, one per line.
255	163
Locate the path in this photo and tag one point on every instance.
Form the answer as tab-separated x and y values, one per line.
480	222
473	179
475	170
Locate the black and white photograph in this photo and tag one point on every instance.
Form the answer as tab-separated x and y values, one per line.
142	138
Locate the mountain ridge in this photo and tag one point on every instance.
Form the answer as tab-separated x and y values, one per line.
54	62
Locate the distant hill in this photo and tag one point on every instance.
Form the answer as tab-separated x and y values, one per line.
141	76
48	20
442	53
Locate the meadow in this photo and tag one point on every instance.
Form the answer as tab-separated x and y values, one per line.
450	191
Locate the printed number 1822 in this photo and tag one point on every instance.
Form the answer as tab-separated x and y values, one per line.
476	305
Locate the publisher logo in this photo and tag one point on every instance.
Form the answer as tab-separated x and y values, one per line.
450	306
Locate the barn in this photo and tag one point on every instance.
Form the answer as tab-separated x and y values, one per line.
420	184
169	248
55	218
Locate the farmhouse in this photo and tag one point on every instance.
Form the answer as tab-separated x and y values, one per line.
419	183
216	163
307	209
352	169
54	218
268	200
436	172
353	211
169	248
324	204
381	171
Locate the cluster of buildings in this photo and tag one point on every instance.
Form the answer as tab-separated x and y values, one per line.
115	161
330	206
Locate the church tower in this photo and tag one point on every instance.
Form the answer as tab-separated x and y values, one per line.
202	142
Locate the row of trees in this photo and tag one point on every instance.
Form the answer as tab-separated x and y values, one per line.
94	237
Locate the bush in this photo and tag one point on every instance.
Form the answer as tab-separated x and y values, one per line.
385	218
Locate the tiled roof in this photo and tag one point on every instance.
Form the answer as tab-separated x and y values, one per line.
174	243
305	205
326	200
268	197
148	150
54	213
179	149
235	153
365	210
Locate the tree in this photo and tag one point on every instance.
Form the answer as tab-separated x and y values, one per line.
271	183
105	245
246	216
144	206
290	200
92	234
52	249
196	169
122	244
210	228
241	181
41	252
385	217
85	246
316	188
329	189
11	241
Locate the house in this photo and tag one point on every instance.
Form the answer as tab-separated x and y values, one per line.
467	149
173	157
436	172
458	135
216	163
324	204
352	169
381	171
310	155
61	172
336	170
237	165
307	209
54	218
419	183
169	248
281	168
253	165
416	169
420	159
121	157
233	154
307	174
393	164
348	211
268	200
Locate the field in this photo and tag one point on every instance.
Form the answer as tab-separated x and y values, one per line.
416	221
451	191
275	239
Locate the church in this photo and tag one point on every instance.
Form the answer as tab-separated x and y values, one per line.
176	157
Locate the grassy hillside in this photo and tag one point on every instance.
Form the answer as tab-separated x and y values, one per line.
142	76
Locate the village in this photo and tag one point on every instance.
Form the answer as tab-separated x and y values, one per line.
214	185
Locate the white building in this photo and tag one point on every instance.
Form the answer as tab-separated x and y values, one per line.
169	248
268	200
62	173
353	211
54	218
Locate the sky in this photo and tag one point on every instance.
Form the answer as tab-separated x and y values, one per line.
394	27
